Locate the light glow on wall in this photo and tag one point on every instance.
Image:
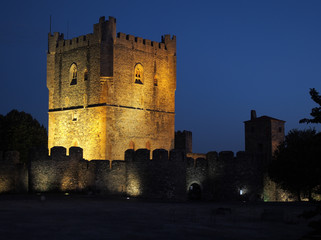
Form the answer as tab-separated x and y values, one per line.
134	188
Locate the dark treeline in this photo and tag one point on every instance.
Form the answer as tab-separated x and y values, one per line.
20	131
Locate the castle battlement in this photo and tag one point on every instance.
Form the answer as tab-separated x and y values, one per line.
59	153
167	42
167	175
103	31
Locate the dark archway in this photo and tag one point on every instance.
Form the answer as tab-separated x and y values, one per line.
195	192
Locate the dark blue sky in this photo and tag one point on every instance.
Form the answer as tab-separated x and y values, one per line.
232	56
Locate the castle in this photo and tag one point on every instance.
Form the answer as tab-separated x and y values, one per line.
109	93
111	128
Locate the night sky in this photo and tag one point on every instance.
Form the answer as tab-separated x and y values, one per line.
232	56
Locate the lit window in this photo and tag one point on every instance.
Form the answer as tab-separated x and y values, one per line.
73	74
139	74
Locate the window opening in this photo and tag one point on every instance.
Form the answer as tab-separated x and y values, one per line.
73	74
139	74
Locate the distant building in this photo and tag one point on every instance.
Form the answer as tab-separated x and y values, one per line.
263	135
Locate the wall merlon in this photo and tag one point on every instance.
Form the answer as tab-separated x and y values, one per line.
162	45
130	38
121	35
160	155
212	156
129	155
142	154
241	154
139	40
76	153
58	153
147	42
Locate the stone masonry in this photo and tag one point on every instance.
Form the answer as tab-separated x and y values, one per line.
109	92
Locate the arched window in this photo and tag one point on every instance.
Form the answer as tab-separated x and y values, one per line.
139	72
86	75
73	74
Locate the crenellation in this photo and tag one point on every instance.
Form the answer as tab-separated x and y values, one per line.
139	40
76	153
129	155
58	153
219	176
162	46
121	35
141	155
139	43
130	38
147	42
241	154
160	155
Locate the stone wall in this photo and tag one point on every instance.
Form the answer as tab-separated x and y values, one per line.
167	175
225	177
137	176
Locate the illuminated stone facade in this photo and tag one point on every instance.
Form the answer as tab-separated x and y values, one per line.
109	92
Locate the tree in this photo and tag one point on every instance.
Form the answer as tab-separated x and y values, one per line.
316	112
296	166
20	131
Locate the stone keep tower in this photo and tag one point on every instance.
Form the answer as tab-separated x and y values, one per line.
263	135
109	93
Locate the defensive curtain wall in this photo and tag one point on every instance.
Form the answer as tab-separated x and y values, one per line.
168	175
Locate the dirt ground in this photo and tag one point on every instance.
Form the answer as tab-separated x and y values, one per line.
98	217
